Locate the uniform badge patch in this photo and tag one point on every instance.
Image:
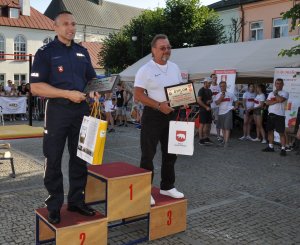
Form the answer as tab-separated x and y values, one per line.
60	69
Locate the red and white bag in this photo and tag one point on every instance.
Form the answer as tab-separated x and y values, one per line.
181	137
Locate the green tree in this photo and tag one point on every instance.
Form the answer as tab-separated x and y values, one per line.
294	15
186	23
189	24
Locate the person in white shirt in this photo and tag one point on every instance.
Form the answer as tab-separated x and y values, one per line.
153	77
215	89
108	108
225	100
276	119
248	104
257	113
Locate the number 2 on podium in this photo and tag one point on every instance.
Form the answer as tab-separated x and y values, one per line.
169	214
131	192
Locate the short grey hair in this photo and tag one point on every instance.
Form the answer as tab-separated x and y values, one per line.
157	37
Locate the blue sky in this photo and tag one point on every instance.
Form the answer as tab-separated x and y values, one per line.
41	5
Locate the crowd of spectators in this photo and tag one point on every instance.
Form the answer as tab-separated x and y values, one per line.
11	90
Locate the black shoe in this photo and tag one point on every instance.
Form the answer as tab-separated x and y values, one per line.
207	141
268	149
82	209
120	125
283	152
54	217
111	130
201	142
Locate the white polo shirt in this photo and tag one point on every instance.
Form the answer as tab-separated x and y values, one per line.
215	89
278	108
226	104
258	99
249	97
154	78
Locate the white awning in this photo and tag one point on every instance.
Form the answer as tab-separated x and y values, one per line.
250	59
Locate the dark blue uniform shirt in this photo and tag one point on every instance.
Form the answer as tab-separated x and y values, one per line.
61	66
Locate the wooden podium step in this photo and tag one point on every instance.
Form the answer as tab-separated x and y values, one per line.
168	216
73	229
124	188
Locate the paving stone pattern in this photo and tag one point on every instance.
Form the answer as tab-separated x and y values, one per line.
237	195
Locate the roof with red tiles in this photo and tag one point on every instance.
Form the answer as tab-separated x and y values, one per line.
36	20
93	49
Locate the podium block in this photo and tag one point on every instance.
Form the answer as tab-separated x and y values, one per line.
73	228
168	216
127	189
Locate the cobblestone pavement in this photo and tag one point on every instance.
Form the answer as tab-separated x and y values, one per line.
237	195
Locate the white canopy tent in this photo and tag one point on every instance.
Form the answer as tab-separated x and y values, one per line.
254	59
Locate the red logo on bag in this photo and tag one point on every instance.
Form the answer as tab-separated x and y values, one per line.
60	68
180	136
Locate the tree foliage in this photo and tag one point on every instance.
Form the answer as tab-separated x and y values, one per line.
294	15
186	23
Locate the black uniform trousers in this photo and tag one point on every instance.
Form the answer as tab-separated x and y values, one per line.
63	120
155	128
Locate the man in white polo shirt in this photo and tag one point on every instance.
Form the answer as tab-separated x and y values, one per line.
150	81
276	119
226	102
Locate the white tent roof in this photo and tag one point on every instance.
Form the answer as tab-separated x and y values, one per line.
250	59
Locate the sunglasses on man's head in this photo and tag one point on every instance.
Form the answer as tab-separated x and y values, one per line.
165	48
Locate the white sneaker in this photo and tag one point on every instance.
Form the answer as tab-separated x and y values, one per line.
243	138
256	139
172	193
249	138
152	202
264	141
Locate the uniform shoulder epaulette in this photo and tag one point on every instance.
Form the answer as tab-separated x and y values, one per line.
80	46
46	46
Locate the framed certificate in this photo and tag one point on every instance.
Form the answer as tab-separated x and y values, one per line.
102	85
181	94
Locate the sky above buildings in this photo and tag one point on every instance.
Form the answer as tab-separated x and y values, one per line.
41	5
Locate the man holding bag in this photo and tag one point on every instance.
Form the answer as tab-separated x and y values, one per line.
60	72
150	81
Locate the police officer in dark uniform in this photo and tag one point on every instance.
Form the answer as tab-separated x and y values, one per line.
60	72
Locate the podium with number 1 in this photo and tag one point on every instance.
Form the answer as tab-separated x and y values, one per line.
126	189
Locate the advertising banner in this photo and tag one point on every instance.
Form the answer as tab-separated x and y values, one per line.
227	76
13	105
291	80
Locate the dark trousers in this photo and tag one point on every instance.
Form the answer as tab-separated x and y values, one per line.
62	121
155	128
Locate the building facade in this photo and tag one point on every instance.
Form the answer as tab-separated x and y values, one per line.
262	20
95	19
23	30
250	20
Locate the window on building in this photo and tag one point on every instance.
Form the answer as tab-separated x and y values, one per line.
20	48
18	78
256	31
2	48
280	28
47	40
1	11
14	13
2	78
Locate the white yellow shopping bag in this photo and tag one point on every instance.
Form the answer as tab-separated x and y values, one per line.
181	138
92	137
